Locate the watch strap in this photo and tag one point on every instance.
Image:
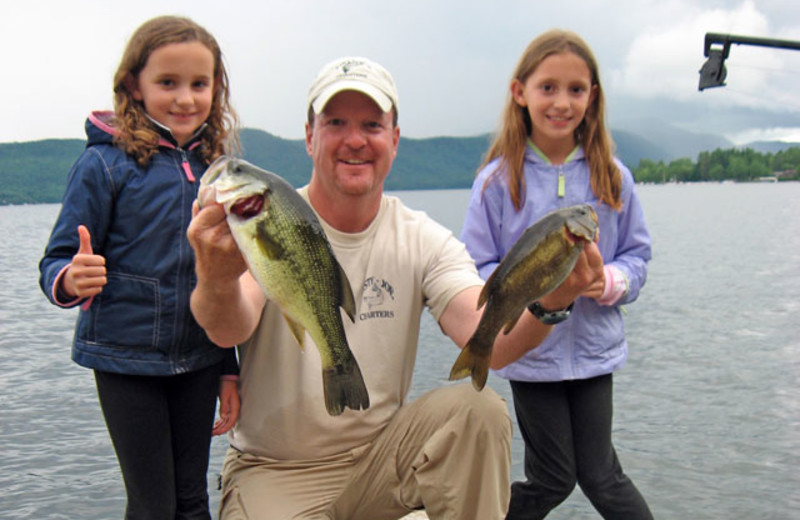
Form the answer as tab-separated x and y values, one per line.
550	317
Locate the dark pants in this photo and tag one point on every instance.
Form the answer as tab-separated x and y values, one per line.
161	430
566	427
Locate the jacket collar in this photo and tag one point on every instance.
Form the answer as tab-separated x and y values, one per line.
168	139
104	121
537	155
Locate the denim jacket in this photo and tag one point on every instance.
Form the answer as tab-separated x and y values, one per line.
140	324
592	341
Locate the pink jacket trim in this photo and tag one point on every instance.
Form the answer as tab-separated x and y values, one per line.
616	286
57	284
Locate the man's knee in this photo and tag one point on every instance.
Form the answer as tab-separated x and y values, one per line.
485	409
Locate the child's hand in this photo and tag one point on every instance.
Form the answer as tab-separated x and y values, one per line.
598	284
86	275
596	287
228	406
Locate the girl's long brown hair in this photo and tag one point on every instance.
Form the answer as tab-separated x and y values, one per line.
137	135
511	140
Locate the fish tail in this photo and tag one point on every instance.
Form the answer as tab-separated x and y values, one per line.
344	387
469	363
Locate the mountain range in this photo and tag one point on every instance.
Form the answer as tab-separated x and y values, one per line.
35	172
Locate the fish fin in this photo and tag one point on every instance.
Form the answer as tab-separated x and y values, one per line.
484	296
344	387
298	331
511	323
271	248
468	363
347	301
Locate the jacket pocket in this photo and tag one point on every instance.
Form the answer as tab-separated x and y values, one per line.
126	314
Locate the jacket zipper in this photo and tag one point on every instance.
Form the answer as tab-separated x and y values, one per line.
187	169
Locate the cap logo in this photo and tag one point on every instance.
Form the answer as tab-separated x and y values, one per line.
353	73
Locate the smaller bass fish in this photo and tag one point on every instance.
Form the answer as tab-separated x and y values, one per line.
289	255
539	261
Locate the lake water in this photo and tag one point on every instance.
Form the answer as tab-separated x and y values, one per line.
707	410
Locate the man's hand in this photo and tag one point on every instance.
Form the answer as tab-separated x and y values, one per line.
218	259
227	301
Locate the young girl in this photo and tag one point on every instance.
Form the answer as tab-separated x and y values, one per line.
119	248
552	150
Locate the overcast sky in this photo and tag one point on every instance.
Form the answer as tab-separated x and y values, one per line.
451	60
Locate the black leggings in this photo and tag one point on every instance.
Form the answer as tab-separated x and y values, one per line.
161	431
566	427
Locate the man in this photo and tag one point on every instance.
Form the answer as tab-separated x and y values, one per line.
449	450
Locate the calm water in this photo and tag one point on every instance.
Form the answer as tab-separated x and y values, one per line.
707	416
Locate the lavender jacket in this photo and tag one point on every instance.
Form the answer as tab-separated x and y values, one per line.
592	341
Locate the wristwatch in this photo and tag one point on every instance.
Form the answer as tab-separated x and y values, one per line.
549	317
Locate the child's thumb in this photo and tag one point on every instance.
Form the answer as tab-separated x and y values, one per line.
86	240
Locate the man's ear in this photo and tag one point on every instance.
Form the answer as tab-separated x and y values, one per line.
309	137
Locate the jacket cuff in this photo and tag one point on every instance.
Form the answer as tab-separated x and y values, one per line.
59	297
616	286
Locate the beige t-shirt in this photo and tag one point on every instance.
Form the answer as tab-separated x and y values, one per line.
402	263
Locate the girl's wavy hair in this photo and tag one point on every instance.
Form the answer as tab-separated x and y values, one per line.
515	127
136	133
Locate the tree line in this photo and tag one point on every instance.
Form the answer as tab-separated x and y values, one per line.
739	165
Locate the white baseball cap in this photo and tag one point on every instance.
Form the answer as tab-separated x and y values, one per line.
353	73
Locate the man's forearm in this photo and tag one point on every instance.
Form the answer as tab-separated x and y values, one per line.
228	314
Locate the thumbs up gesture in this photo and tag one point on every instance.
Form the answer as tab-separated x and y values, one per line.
86	275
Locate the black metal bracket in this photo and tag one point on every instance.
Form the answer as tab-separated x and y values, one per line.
717	47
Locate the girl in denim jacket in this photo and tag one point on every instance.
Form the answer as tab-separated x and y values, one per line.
119	250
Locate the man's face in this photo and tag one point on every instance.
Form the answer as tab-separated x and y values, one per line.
352	144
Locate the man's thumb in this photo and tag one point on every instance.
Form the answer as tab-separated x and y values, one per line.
86	240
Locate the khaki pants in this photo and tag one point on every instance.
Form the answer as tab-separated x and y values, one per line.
449	452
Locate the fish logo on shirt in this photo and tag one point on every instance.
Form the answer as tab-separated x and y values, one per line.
376	295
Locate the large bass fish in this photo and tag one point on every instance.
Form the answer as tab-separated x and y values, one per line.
539	261
289	255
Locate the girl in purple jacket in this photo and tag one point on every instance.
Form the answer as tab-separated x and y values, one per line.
552	150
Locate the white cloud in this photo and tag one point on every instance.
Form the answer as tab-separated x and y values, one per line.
790	135
664	59
452	64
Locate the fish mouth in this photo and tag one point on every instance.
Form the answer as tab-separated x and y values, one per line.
581	229
248	207
572	238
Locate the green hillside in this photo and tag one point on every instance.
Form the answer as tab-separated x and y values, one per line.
36	172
